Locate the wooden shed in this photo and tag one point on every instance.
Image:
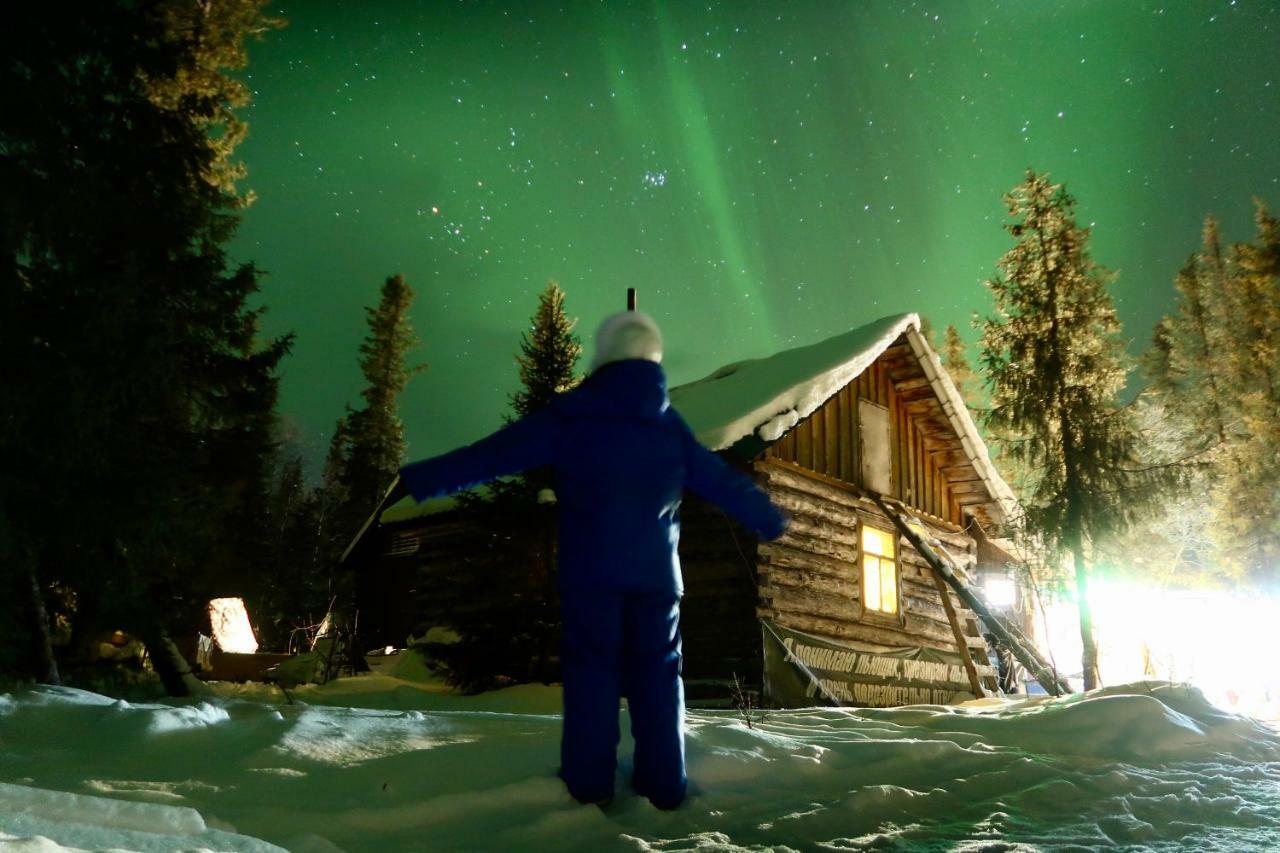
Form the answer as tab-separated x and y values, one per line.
840	609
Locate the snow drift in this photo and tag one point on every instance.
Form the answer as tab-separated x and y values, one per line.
1149	765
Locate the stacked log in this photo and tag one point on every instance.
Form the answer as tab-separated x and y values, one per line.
810	578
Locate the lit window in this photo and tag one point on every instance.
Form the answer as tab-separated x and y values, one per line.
879	571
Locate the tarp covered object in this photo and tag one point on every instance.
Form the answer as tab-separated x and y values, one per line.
802	670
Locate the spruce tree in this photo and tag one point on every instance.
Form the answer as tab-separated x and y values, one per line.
1246	500
139	398
1187	417
956	360
549	353
1055	365
374	434
368	446
513	637
1213	377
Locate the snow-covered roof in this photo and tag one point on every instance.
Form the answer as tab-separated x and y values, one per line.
407	509
768	396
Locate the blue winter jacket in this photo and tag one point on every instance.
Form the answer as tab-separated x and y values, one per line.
622	458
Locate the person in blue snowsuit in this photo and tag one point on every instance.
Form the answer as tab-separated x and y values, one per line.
622	457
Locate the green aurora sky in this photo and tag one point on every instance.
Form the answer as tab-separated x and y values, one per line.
766	174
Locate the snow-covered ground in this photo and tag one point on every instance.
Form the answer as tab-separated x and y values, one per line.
383	763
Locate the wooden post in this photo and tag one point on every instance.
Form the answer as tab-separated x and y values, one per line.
631	299
962	642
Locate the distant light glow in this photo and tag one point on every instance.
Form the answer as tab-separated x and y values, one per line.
1000	591
1222	643
231	628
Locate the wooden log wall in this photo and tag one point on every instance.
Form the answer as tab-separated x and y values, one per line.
718	615
810	578
449	547
718	620
827	442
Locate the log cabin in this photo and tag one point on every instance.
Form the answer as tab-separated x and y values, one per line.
840	609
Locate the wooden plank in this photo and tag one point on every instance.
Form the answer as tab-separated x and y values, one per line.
923	408
831	437
804	443
915	395
920	500
848	434
895	437
904	386
818	426
899	361
930	480
939	492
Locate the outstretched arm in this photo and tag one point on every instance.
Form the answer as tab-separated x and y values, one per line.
516	447
735	493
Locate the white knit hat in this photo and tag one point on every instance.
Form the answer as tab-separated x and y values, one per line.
627	334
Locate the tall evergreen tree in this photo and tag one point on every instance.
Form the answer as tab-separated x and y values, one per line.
1214	375
515	637
368	446
955	359
138	399
1188	361
549	353
1188	417
374	433
1055	365
1247	507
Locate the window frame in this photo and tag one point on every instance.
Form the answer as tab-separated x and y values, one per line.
891	617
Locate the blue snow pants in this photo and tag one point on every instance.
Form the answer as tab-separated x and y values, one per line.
616	644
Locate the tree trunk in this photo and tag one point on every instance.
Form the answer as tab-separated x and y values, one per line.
173	669
45	665
1089	657
20	587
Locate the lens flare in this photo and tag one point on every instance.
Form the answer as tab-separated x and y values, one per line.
1221	642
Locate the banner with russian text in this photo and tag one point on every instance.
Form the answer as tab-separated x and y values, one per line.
802	670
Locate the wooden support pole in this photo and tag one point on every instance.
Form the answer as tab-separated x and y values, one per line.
962	642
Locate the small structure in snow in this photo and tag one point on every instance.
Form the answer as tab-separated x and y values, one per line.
231	629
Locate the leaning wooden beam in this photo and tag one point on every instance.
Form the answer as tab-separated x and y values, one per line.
962	644
1048	679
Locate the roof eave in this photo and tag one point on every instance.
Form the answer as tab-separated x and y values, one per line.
957	412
